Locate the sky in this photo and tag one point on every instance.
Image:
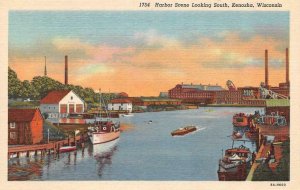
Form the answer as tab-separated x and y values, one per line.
143	53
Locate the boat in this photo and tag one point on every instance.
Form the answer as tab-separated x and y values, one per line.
127	115
184	130
233	166
237	134
67	149
241	120
104	130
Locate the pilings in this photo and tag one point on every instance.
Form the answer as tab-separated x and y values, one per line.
44	149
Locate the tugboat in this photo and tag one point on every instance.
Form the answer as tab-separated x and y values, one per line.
241	120
184	130
233	166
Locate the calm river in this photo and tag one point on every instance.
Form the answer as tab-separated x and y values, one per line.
145	151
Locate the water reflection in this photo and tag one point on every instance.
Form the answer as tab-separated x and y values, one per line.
25	169
103	154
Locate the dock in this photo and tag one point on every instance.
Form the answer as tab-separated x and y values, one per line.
43	149
281	134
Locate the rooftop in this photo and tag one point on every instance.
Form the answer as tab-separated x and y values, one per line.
54	97
21	115
202	87
277	103
120	100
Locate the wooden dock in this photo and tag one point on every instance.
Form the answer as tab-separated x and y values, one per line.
43	149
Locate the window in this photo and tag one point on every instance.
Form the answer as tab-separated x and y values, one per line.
71	97
12	125
12	135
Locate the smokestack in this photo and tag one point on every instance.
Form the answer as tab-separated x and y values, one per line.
45	71
66	70
266	69
287	66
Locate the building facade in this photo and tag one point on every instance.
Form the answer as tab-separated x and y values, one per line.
61	103
25	126
190	93
120	105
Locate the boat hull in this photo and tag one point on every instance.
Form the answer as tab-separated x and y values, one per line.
100	137
183	131
67	149
238	173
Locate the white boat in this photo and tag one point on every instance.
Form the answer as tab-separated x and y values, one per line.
104	130
127	115
104	148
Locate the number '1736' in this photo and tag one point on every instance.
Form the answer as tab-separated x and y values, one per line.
144	4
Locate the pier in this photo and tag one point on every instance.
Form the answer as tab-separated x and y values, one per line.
43	149
281	134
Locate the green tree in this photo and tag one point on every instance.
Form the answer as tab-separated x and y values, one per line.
14	84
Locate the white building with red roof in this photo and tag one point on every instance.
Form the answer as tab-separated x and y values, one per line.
60	103
121	104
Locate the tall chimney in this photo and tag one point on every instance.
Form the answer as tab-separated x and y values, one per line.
287	66
66	70
45	71
266	69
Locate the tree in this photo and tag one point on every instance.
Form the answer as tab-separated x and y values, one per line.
14	84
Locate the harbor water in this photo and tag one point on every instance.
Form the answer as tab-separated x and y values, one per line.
145	151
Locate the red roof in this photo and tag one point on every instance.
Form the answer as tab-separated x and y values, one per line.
123	94
21	115
54	97
120	101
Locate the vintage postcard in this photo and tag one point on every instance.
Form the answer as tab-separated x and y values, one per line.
150	94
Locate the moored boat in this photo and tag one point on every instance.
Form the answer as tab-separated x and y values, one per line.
184	130
67	149
233	166
241	120
104	131
127	115
237	134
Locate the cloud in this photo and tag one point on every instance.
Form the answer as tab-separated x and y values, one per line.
154	62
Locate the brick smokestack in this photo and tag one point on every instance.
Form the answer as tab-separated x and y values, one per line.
266	69
287	65
66	70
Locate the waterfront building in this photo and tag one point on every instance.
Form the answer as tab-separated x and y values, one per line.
147	101
120	104
191	93
25	126
278	106
60	103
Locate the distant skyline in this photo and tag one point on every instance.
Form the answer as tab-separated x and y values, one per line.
146	52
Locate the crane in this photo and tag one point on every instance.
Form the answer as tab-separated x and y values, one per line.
230	85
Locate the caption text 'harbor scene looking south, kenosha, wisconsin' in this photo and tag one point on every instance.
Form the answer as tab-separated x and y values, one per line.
148	95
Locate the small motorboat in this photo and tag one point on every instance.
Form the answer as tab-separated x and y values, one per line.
184	130
237	135
127	115
67	149
150	121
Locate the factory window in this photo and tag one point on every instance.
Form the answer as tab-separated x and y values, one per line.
12	135
12	125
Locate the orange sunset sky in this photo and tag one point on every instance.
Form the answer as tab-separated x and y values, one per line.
144	53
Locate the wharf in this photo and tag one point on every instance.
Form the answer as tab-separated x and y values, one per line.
43	148
281	134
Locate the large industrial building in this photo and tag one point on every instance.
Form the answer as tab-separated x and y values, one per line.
250	96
